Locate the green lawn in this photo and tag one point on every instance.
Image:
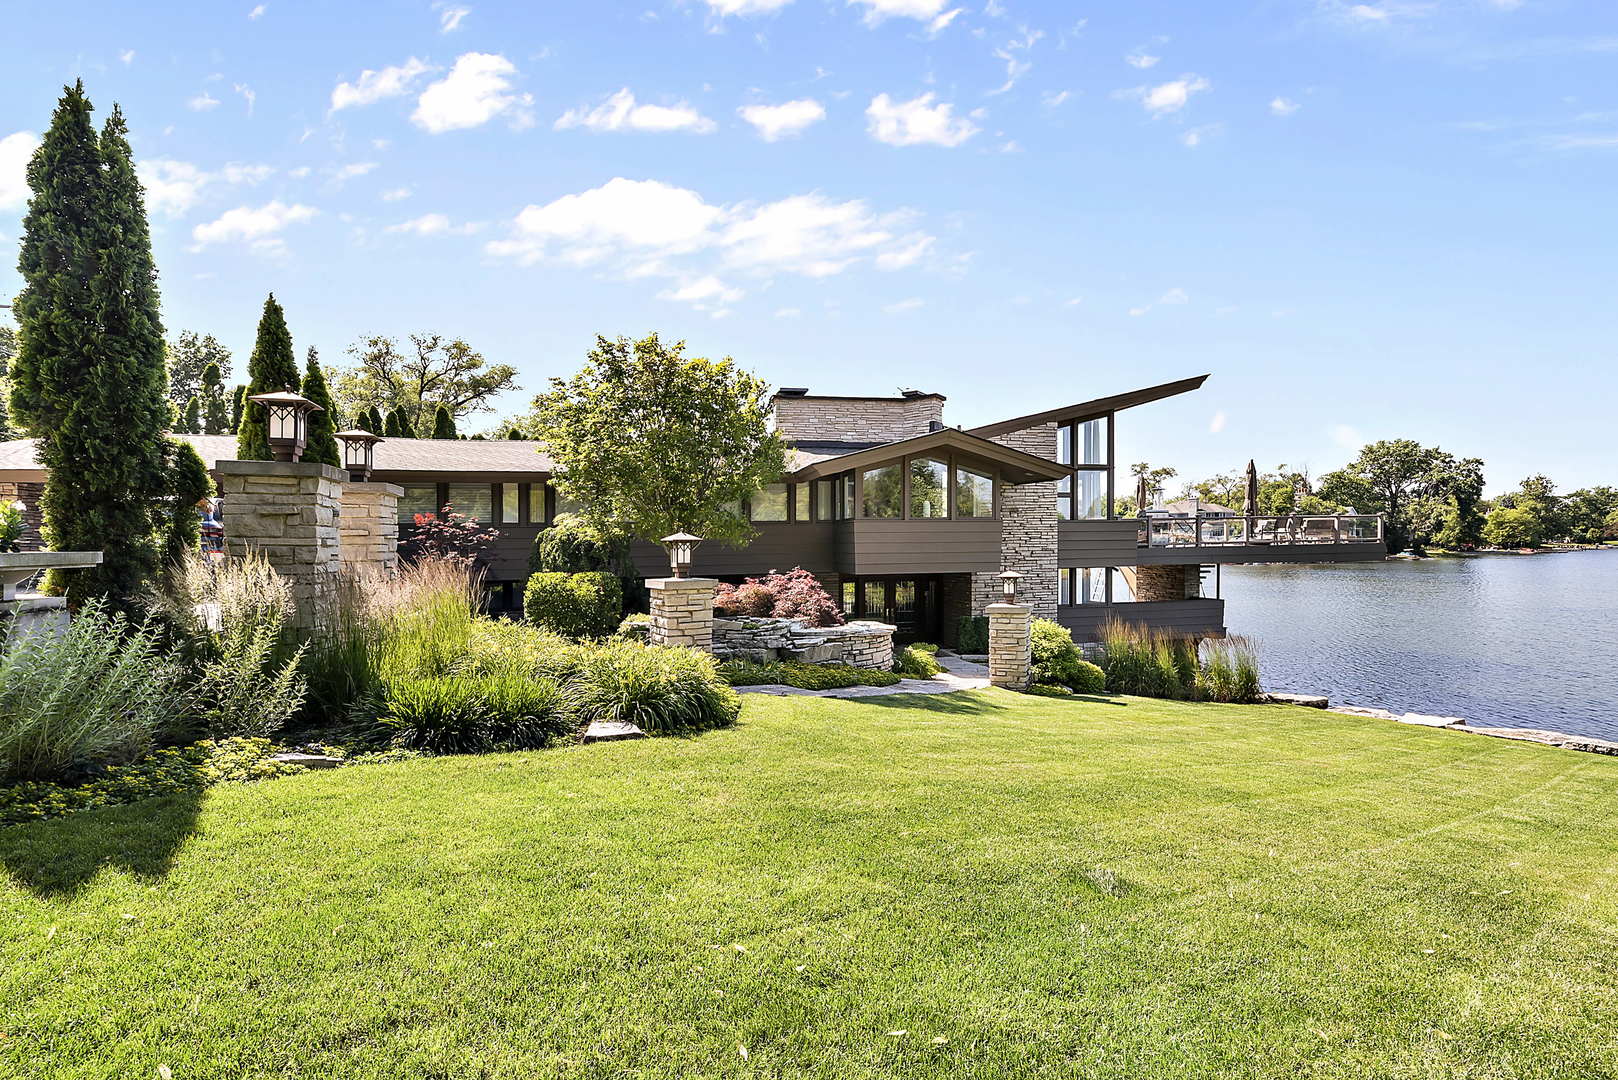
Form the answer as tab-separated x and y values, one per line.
974	885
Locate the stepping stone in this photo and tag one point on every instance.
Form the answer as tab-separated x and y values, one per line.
612	731
309	761
1308	701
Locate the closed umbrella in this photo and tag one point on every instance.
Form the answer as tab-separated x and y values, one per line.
1142	497
1252	499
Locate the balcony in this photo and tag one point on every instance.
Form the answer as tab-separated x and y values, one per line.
1209	539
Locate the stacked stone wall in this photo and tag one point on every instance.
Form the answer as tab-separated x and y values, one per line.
682	612
1027	533
1156	583
290	512
369	527
1010	645
865	420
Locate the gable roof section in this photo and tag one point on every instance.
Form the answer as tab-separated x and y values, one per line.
1019	468
1089	410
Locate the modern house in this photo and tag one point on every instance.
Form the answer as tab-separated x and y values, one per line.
902	517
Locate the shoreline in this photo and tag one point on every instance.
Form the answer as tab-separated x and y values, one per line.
1562	740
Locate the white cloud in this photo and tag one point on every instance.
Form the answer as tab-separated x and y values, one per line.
434	225
1016	65
901	306
1073	301
1578	142
1054	98
941	22
247	95
174	187
395	194
1136	312
258	12
300	172
1283	106
477	89
1368	12
373	86
878	10
1141	59
916	122
450	17
646	228
257	227
348	172
1174	296
621	113
1169	97
202	102
1194	138
127	57
774	122
703	293
789	313
15	150
746	7
1217	424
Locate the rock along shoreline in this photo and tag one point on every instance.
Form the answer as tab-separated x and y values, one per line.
1560	739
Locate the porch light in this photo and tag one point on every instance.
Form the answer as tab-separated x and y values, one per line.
681	546
359	453
1008	582
288	422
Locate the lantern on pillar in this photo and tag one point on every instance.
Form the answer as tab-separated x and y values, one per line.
359	455
287	422
1008	585
681	546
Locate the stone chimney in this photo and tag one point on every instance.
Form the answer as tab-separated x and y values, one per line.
804	417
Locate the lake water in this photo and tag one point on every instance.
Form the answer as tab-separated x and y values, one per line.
1512	641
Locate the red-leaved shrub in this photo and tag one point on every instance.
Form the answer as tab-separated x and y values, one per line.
793	595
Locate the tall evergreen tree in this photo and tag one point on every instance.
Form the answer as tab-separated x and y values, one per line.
215	409
322	445
515	432
186	358
89	380
272	367
189	484
191	420
238	400
398	425
374	422
443	424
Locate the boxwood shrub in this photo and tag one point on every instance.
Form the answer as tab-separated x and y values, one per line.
803	676
589	604
972	636
1057	660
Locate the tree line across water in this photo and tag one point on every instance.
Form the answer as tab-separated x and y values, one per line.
1432	499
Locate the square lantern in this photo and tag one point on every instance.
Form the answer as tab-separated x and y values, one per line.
681	546
1008	585
287	422
358	453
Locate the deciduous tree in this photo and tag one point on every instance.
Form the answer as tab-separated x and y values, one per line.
435	370
215	407
188	357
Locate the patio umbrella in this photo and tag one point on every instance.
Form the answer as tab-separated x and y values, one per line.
1252	488
1142	497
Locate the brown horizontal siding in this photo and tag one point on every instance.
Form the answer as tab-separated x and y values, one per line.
1097	543
1203	617
775	547
876	546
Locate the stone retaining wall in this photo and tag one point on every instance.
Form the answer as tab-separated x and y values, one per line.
865	644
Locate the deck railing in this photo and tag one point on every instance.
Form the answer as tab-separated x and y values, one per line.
1209	531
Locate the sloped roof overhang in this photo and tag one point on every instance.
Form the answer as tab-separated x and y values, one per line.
1090	410
1016	467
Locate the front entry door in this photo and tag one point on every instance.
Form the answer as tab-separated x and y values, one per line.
907	603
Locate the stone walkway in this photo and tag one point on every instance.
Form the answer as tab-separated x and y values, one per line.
958	674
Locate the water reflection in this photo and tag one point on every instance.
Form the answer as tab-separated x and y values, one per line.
1526	641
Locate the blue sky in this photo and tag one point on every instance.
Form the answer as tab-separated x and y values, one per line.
1366	220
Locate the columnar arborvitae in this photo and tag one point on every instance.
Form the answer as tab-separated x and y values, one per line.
191	420
373	421
189	484
515	432
398	425
215	407
322	445
89	380
272	367
443	424
238	400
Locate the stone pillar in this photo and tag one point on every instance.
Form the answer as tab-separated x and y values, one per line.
289	512
682	612
370	527
1158	583
1011	645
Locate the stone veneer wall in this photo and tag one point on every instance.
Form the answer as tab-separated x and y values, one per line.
1011	645
288	512
1027	533
865	643
30	493
370	527
682	612
865	420
1153	583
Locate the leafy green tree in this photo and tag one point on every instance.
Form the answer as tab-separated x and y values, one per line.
443	424
188	358
1415	486
215	409
322	432
373	421
191	419
1508	527
1225	489
435	371
88	381
1156	477
1585	514
8	351
188	484
651	441
272	367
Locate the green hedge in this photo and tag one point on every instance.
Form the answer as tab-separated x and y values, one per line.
972	635
803	676
589	604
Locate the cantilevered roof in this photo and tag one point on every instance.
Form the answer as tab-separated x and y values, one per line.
1089	410
1018	467
392	455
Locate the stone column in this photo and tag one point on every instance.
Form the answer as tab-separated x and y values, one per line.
1011	645
289	512
1158	583
682	612
370	527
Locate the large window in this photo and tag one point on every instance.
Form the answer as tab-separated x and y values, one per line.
825	500
417	499
929	488
1082	585
536	503
800	502
475	501
974	493
510	503
770	504
883	492
1084	446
